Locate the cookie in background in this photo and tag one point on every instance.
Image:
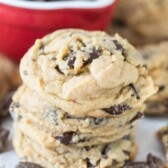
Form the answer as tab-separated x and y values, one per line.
9	80
163	136
141	21
156	57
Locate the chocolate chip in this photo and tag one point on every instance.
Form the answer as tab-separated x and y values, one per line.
105	150
126	152
93	55
114	162
119	47
89	164
154	162
136	117
135	91
117	109
119	23
87	148
161	88
126	137
145	66
66	138
70	58
4	105
98	121
42	46
3	138
28	165
58	69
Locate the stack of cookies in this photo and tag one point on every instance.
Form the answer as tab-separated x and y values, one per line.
156	56
82	95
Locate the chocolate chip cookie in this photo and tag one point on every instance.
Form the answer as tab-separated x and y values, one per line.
85	71
156	57
146	18
9	80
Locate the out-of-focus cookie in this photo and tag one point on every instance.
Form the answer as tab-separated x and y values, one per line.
145	17
163	136
156	57
133	37
9	81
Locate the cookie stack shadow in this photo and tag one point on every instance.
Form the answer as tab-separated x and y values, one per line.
82	95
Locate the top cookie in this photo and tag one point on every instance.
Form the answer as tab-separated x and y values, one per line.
81	71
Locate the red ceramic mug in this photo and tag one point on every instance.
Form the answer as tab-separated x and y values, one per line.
21	21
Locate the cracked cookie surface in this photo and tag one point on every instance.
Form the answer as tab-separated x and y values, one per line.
80	71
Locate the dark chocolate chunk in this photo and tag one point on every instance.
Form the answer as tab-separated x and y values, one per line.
66	137
4	105
136	117
126	137
87	148
98	121
135	91
118	22
114	162
161	88
126	152
145	66
89	164
105	150
58	69
119	47
28	165
93	55
3	138
154	162
70	58
42	46
117	109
